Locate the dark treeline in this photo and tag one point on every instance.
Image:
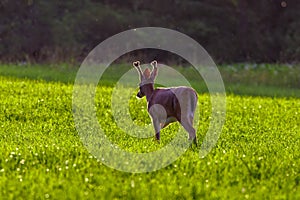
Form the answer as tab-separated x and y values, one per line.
230	30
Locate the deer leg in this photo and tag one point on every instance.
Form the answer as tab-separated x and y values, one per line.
188	126
158	115
168	121
157	128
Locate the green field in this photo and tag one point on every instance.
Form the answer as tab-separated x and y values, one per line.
256	157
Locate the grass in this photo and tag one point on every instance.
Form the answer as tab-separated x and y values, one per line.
241	79
58	72
256	157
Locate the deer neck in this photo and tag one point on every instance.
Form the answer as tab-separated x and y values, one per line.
149	88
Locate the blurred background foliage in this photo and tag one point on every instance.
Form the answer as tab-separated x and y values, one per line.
265	31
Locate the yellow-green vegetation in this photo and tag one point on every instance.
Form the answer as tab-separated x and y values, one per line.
256	157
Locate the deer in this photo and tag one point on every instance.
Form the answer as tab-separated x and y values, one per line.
167	105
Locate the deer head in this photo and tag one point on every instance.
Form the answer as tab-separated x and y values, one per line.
146	79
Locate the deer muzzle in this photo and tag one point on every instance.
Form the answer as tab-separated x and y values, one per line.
139	94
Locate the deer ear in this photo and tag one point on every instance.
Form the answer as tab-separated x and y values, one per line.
147	73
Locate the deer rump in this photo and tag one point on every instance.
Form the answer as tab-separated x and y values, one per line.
167	105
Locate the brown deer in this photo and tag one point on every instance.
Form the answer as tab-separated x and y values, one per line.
167	105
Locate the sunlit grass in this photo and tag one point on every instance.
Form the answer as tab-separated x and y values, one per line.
256	156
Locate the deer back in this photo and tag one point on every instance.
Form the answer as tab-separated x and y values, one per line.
177	101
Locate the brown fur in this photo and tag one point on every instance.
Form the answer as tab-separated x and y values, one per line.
167	105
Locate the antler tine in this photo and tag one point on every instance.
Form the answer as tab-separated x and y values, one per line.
136	64
154	64
154	71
